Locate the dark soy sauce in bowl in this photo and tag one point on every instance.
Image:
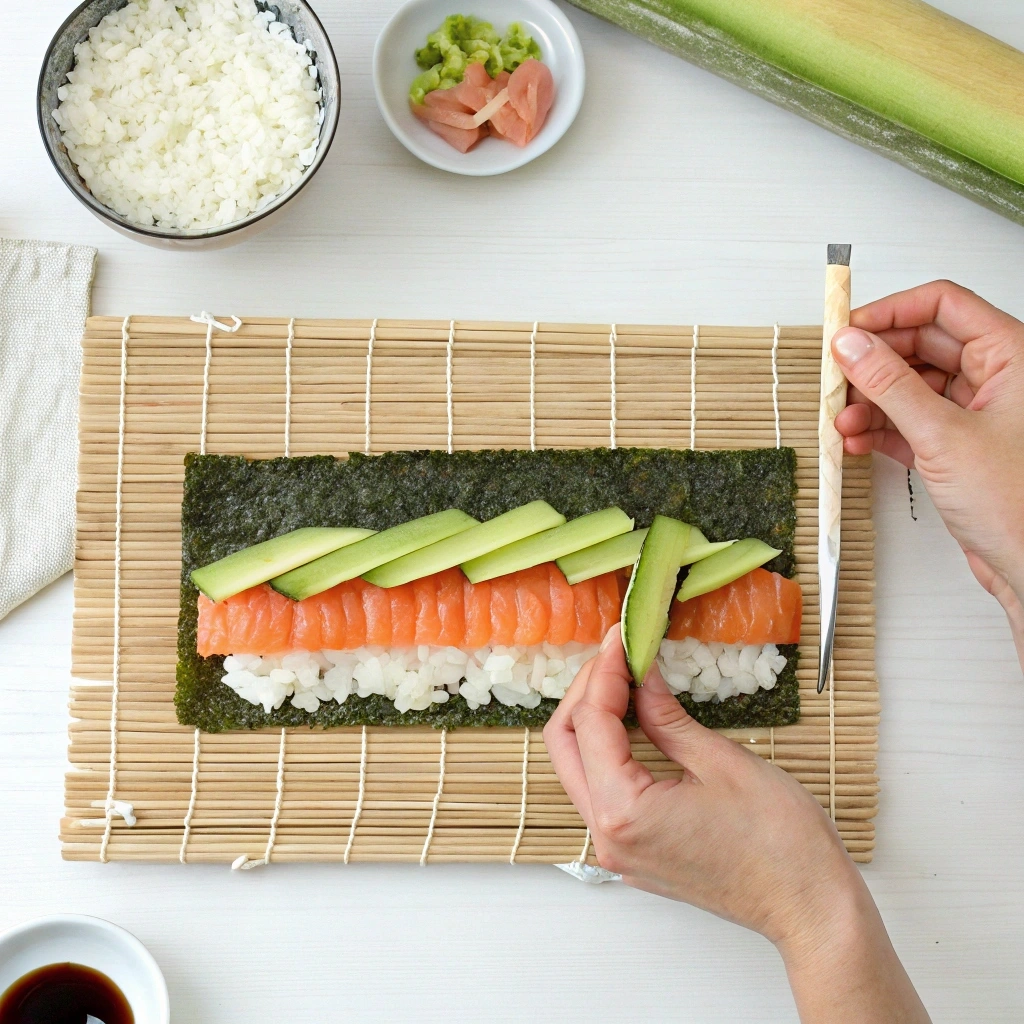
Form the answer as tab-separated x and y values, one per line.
64	994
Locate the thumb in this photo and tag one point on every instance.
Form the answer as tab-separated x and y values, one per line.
886	379
667	725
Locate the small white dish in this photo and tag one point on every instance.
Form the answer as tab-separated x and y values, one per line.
394	68
70	938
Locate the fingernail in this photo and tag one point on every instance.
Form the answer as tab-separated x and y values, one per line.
609	637
852	345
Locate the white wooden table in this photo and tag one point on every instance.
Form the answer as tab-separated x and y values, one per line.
674	197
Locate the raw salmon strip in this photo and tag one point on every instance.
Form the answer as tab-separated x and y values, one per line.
563	608
609	603
477	604
451	608
759	608
377	609
588	618
355	617
403	615
257	621
504	613
533	605
428	622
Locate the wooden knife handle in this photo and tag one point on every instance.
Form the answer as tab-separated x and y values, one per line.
833	401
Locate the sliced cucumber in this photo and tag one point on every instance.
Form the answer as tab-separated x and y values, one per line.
698	552
607	556
719	569
549	545
496	533
645	608
347	564
257	564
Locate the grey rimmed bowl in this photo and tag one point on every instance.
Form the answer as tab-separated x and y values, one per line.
60	59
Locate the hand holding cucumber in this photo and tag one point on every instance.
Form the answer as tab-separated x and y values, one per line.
937	382
736	836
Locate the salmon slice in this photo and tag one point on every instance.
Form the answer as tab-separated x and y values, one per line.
588	618
403	615
428	622
533	605
355	618
563	608
504	613
759	608
477	603
377	609
451	608
256	621
609	601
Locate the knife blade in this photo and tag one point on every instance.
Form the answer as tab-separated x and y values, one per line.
830	452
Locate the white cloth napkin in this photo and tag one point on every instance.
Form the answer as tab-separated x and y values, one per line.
44	300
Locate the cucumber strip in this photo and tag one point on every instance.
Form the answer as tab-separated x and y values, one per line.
348	563
549	545
725	566
698	552
260	562
598	559
676	25
498	532
647	601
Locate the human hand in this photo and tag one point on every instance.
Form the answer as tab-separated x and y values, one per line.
735	835
937	382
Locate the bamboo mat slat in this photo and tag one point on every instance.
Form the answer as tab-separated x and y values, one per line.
211	798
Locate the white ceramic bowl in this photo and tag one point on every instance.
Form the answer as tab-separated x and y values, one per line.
394	68
93	943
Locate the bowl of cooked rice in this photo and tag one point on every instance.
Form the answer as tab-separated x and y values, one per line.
188	124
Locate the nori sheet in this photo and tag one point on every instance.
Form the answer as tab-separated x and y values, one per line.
230	503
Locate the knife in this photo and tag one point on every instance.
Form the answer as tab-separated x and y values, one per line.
830	452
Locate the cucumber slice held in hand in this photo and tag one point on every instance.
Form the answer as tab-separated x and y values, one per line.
348	563
598	559
498	532
256	564
551	544
645	608
725	566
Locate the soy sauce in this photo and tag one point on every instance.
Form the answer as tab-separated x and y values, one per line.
64	994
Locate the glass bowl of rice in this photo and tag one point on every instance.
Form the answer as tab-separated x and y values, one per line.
188	124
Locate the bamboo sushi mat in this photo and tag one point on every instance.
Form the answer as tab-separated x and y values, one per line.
154	389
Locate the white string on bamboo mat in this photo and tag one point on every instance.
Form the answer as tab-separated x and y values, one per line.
243	863
693	386
288	388
533	387
450	352
612	339
775	386
437	799
115	669
187	826
586	848
522	805
357	813
369	380
211	322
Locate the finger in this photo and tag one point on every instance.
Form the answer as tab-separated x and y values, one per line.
614	779
886	441
920	415
667	725
956	310
928	343
564	751
935	379
961	392
854	419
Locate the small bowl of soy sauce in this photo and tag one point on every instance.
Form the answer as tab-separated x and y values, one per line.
78	970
